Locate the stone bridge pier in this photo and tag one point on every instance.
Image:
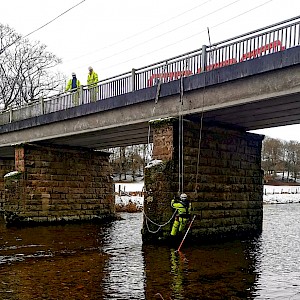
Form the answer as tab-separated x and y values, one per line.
53	184
222	177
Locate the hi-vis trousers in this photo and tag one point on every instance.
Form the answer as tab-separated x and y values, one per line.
179	225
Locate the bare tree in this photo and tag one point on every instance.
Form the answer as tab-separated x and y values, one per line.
25	69
283	156
272	153
292	151
130	160
7	37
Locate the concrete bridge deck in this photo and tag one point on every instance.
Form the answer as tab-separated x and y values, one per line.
255	94
250	82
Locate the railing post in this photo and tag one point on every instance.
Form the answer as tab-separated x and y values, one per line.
81	94
10	114
203	58
133	80
42	105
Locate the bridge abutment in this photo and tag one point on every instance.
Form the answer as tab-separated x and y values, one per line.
226	188
55	184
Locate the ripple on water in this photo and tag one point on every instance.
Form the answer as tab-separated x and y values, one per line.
124	270
109	262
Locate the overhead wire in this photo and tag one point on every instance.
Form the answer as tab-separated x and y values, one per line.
32	32
51	21
165	33
161	48
140	32
189	37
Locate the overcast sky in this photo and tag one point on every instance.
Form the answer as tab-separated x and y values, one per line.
115	36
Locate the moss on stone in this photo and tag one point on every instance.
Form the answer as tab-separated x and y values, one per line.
162	122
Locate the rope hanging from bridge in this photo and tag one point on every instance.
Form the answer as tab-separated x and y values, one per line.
181	137
181	148
159	83
200	136
147	219
201	120
180	156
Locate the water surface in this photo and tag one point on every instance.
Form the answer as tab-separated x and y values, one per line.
90	261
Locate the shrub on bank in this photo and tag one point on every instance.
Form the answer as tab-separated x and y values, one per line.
130	207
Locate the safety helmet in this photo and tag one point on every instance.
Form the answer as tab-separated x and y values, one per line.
90	68
73	74
183	197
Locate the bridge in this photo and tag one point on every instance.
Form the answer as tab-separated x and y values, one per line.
221	91
254	77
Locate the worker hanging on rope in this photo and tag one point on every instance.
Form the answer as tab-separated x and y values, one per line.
182	217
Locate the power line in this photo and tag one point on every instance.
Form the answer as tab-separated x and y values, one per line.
165	33
245	12
54	19
141	32
21	37
189	37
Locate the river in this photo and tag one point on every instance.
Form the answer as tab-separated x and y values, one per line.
90	261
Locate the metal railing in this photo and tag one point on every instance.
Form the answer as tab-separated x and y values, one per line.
270	39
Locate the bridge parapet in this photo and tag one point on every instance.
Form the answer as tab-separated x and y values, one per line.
257	43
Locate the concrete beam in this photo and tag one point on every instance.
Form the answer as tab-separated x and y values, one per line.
243	88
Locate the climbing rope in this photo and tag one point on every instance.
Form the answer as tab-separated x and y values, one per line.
181	156
159	82
148	139
200	136
201	120
181	138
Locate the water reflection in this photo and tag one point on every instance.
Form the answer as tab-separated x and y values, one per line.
205	272
179	265
91	261
124	271
278	255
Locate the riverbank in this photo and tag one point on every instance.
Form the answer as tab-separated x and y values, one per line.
273	194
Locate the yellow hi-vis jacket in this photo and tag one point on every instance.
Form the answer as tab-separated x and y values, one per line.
69	85
92	79
183	209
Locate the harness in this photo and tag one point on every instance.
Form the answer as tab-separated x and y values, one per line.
185	215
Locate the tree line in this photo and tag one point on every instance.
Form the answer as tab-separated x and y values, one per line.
128	163
277	156
280	156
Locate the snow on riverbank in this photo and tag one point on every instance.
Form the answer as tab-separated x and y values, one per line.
281	194
272	194
124	200
125	192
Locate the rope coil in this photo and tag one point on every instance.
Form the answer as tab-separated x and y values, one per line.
159	225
